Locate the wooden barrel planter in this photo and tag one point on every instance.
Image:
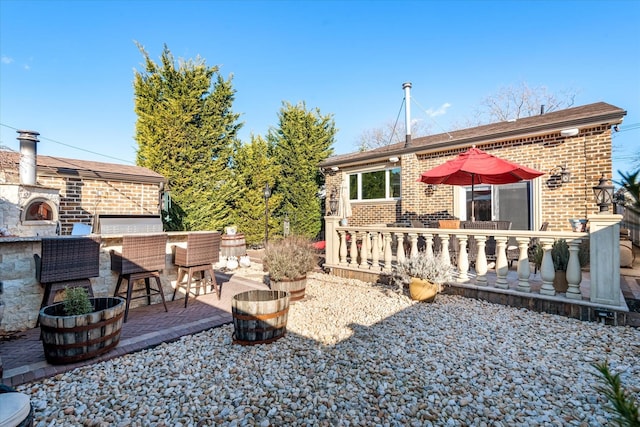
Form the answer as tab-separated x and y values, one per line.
259	316
233	245
295	287
68	339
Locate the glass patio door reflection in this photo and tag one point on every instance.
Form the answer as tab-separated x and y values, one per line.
508	202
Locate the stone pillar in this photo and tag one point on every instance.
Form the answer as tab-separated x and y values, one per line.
332	240
604	235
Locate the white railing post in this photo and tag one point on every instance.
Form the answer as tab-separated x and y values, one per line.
444	250
604	231
547	271
429	241
400	255
524	270
414	243
332	240
574	274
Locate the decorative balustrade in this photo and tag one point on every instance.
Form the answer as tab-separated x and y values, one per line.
379	249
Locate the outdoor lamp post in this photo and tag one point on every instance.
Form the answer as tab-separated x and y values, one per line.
333	203
604	195
267	194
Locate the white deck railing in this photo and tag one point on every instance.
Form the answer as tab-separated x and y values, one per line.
377	251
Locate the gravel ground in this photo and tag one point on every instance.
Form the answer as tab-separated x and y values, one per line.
360	354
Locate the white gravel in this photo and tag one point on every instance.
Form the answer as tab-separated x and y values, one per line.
360	354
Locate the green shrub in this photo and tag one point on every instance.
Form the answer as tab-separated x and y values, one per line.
76	302
626	409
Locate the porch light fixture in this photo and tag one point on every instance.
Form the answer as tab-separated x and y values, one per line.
569	132
335	168
393	159
565	175
604	195
333	202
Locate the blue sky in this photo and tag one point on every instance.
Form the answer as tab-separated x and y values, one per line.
67	67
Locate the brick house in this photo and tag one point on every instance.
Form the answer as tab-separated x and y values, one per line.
62	192
572	147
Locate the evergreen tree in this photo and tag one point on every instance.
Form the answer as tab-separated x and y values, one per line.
253	170
186	131
302	140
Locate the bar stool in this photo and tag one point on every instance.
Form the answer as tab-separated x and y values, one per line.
142	257
203	249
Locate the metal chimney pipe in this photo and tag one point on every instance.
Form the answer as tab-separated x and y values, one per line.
407	112
28	155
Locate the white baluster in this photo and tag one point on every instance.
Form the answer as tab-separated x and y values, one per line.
400	256
502	265
481	261
364	251
387	252
524	270
547	271
444	251
354	249
574	274
429	248
463	259
343	247
414	243
375	252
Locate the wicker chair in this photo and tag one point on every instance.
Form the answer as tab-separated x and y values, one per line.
67	262
490	247
203	249
143	256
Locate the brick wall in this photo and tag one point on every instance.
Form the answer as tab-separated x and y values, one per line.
81	199
587	156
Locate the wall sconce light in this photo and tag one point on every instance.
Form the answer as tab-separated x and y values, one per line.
562	172
333	202
335	168
431	187
604	195
393	159
569	132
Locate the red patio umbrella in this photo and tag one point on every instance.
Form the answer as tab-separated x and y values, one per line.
475	166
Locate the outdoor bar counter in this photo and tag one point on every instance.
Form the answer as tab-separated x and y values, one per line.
21	293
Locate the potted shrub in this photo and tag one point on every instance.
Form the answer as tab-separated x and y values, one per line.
80	327
425	275
288	261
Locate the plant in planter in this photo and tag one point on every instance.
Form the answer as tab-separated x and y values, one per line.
424	274
80	327
288	261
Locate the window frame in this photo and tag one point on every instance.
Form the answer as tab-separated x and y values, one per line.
387	183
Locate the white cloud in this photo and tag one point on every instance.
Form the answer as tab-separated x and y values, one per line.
27	67
6	60
440	111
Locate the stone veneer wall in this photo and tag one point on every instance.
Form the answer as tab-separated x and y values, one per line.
81	199
587	156
22	293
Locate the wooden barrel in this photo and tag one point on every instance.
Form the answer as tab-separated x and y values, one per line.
259	316
295	287
68	339
233	245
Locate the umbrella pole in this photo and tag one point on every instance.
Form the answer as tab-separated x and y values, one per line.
473	209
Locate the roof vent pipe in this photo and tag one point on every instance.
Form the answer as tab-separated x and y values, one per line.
28	154
407	112
541	109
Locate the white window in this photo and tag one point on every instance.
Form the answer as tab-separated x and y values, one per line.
381	184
